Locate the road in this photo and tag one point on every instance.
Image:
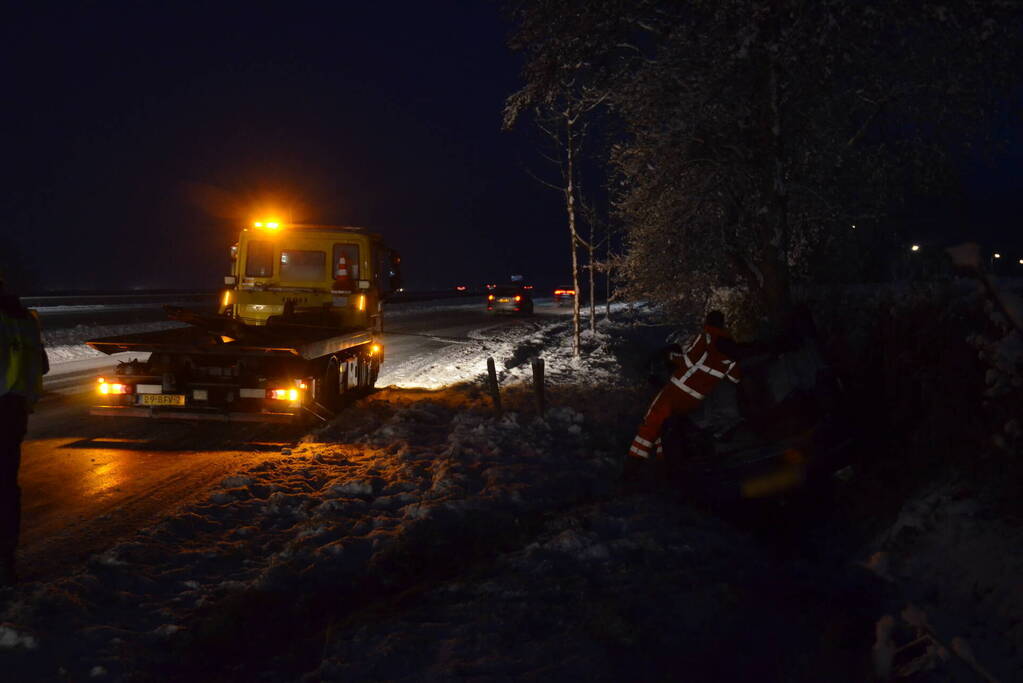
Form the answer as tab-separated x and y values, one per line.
87	481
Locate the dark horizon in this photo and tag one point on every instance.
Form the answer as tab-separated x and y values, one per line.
143	139
148	139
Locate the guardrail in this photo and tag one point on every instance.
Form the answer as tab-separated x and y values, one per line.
126	298
113	299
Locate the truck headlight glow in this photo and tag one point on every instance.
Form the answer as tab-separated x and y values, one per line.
374	349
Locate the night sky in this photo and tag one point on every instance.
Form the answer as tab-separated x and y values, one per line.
141	138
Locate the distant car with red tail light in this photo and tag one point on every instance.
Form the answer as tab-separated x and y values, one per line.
510	299
563	296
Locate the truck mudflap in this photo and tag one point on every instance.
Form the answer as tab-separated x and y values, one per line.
194	415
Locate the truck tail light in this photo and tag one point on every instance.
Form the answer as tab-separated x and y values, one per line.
106	388
518	298
283	394
490	297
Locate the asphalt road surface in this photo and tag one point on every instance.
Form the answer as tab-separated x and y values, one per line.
88	481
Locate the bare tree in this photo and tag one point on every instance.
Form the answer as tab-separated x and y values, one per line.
600	234
561	107
565	131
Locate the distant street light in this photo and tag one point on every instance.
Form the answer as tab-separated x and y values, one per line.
997	255
915	247
1021	261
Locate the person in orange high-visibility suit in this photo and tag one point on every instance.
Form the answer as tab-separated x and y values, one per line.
710	358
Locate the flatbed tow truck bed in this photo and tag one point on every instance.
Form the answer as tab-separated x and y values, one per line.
306	342
216	369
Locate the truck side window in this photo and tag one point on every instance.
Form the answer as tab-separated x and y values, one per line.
351	254
259	259
303	266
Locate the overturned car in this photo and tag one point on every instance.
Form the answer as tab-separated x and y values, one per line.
782	427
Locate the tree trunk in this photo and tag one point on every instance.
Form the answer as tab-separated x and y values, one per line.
775	293
593	289
570	207
607	277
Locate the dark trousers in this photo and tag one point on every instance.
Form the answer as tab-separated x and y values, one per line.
13	424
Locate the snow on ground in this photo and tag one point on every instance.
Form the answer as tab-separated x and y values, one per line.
962	566
429	475
422	536
512	347
68	344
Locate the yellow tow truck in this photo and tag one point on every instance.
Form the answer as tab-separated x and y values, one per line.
294	333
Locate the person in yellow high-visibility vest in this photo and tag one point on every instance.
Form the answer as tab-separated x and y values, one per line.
23	363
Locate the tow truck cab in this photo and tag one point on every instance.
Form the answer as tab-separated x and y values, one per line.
308	269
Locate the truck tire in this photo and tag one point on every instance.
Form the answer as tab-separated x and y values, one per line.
364	372
374	372
330	394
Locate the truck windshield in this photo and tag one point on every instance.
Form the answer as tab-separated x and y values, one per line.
259	259
303	266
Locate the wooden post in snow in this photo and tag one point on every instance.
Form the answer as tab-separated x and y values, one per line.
538	387
495	391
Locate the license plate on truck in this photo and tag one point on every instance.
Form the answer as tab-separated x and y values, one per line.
163	399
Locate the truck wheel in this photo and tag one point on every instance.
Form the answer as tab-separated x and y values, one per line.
330	396
374	372
364	372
